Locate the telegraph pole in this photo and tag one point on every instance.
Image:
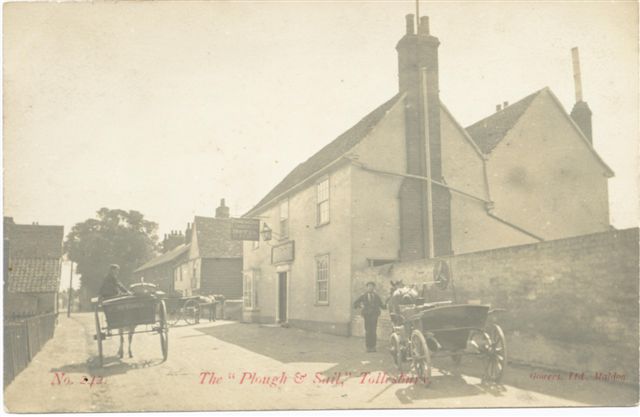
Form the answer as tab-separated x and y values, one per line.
70	289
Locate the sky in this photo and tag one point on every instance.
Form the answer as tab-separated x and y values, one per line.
167	107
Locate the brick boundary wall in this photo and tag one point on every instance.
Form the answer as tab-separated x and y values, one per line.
572	304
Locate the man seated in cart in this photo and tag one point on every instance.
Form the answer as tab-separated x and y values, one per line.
111	285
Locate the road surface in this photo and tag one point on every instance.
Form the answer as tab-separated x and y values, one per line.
229	366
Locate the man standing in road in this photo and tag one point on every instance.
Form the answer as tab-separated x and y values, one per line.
371	303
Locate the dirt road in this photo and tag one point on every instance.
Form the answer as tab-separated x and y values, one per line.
230	366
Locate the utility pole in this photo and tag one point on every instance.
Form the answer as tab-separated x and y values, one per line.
70	289
427	148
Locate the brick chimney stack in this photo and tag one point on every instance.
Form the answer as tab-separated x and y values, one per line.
581	113
222	212
417	51
418	59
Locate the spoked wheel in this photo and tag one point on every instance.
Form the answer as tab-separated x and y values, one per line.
395	348
99	337
495	355
163	330
191	311
420	357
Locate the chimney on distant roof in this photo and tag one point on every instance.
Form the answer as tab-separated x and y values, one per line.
498	107
222	212
581	113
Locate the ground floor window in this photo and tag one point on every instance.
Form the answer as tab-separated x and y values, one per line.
322	279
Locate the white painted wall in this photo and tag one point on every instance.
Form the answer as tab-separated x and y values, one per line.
544	177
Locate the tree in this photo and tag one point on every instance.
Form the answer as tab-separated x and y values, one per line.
114	237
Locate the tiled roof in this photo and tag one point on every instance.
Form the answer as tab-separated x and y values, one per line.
34	256
330	152
34	274
488	132
167	257
214	238
34	241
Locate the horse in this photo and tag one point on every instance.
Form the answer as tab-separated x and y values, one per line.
142	289
130	331
400	294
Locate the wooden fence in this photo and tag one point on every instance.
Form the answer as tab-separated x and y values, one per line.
23	339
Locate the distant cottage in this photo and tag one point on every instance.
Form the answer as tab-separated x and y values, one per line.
409	182
32	268
209	262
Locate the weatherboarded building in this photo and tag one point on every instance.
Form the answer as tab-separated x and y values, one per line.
409	182
212	264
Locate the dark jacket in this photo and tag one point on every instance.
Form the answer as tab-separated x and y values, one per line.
111	287
370	307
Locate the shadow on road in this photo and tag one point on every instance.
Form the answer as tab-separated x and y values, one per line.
112	365
337	354
345	357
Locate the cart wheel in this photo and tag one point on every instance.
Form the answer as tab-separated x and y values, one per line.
99	337
163	330
395	348
496	354
420	357
191	311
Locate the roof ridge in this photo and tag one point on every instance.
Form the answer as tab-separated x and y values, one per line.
527	97
164	257
330	152
489	131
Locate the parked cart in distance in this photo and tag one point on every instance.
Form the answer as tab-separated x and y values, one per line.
183	308
422	331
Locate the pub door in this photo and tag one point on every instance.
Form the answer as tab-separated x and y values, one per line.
282	297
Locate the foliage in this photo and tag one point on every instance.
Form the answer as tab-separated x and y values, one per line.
116	236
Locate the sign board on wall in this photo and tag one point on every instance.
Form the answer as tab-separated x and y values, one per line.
283	253
245	229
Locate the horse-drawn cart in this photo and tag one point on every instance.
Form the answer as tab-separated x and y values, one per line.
126	313
183	308
422	331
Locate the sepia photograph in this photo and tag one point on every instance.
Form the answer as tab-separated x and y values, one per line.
320	205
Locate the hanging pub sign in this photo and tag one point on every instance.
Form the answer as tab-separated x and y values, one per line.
283	253
245	229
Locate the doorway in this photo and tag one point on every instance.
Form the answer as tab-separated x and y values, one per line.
282	297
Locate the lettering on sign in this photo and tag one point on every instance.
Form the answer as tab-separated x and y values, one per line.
245	229
283	253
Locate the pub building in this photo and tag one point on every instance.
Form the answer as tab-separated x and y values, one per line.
409	182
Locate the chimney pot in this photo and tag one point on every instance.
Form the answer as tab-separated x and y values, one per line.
423	27
505	104
498	107
222	211
410	28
